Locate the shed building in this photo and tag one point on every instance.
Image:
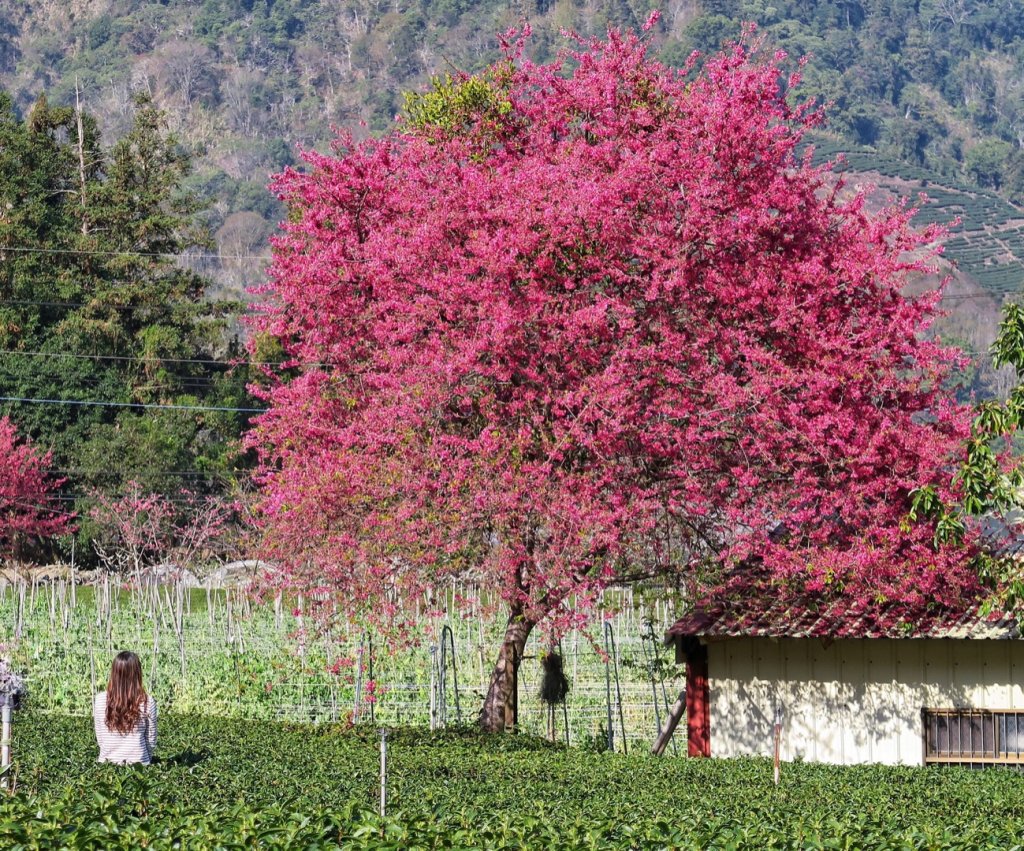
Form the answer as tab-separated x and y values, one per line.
848	688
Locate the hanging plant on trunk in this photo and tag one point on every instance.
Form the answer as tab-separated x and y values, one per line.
558	331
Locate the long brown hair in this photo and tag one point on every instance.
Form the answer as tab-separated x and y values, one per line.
125	695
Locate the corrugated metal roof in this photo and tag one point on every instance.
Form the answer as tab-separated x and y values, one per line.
840	619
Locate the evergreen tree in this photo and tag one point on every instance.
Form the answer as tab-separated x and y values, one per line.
99	312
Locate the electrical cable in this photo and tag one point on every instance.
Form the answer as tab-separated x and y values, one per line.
128	358
73	305
148	406
86	252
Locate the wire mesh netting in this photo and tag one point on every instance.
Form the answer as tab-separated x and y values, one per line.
217	651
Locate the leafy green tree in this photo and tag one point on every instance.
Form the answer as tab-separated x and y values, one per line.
990	476
102	324
987	161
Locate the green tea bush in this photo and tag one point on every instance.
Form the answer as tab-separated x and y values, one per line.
248	784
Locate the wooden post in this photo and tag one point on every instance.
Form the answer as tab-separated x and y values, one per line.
777	731
675	714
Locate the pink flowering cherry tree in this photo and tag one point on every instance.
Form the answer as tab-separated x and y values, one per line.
28	508
139	529
609	325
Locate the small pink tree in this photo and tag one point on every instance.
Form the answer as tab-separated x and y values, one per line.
28	508
596	328
138	529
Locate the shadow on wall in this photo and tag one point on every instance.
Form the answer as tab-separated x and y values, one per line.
852	700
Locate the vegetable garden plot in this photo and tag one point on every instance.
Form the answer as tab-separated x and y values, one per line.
218	653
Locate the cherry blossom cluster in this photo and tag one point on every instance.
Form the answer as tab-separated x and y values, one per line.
621	328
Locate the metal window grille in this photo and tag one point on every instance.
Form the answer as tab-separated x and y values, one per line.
973	736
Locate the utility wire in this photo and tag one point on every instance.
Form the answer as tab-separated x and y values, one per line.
227	382
128	358
86	252
153	472
75	305
176	255
149	406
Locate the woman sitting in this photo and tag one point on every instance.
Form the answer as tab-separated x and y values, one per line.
124	715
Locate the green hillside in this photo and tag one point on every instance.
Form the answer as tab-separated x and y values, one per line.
920	89
986	238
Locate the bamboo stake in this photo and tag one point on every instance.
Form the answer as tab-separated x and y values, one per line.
21	613
156	652
383	772
74	577
5	742
92	662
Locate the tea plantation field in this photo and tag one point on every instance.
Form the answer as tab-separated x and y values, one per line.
986	233
234	783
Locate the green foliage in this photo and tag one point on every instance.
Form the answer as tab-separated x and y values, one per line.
987	161
989	482
96	307
228	784
455	105
926	84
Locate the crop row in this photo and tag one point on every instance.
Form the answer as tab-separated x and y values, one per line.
244	784
973	245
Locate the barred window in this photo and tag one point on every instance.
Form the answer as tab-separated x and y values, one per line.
973	736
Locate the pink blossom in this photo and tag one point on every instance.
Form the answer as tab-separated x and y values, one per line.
622	333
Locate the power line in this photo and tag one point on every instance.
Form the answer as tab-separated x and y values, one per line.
176	255
21	302
86	252
76	497
200	383
76	471
128	358
227	382
246	311
153	406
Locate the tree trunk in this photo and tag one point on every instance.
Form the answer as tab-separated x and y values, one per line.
499	709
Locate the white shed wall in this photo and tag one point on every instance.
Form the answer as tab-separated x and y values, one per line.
853	700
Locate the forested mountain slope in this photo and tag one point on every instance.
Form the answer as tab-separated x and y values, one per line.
933	84
926	96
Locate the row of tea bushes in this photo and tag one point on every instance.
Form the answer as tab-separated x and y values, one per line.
986	242
243	784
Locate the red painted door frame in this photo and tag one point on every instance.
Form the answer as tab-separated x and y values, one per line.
698	701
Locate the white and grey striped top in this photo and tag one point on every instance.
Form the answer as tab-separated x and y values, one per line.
136	746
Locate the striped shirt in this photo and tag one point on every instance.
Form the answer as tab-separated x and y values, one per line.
136	746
